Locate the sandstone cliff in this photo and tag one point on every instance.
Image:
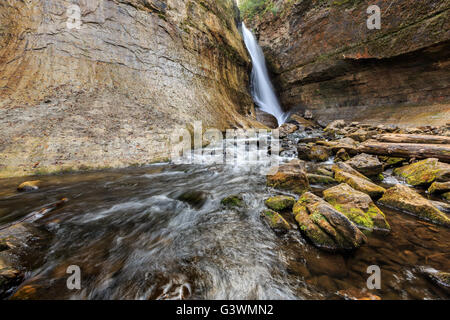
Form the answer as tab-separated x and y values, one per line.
324	58
108	94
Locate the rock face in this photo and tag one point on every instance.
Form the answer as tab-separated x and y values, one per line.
324	58
325	226
110	93
406	199
357	206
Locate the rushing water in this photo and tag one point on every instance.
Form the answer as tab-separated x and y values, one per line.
262	89
133	239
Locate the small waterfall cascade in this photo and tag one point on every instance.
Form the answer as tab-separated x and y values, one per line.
262	90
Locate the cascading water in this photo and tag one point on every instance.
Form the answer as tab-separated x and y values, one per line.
262	89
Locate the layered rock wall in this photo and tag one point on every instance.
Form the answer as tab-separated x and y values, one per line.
324	57
106	88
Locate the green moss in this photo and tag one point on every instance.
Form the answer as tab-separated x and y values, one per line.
280	203
233	201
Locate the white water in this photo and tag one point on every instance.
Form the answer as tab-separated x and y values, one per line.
262	89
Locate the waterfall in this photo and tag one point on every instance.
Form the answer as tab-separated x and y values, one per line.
262	89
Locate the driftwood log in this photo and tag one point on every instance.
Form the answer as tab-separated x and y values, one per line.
413	138
407	150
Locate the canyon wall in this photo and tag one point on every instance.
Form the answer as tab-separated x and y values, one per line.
105	86
324	58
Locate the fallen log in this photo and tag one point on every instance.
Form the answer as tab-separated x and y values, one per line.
407	150
413	138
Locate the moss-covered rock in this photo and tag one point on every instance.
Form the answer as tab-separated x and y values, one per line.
280	203
29	186
342	166
313	152
326	227
275	221
439	187
366	164
390	162
320	179
446	196
424	172
408	200
290	177
357	206
233	201
342	155
194	198
360	184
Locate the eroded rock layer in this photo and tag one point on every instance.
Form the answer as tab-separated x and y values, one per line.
325	58
109	93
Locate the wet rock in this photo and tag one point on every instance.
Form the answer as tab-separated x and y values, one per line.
441	279
313	153
342	166
446	196
444	207
390	162
287	129
424	172
406	199
341	155
290	177
196	199
326	227
29	186
266	118
234	201
9	279
320	179
280	203
439	187
366	164
308	115
300	121
275	221
335	126
358	207
357	294
360	184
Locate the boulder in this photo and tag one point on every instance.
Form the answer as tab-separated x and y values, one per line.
341	155
390	162
406	199
424	172
280	203
320	179
290	177
366	164
348	144
326	227
275	221
195	199
266	118
446	196
335	126
342	166
360	184
439	187
29	186
357	206
287	129
233	201
313	152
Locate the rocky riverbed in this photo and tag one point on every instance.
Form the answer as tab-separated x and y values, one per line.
184	231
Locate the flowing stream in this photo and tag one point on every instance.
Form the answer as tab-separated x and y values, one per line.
133	238
262	89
